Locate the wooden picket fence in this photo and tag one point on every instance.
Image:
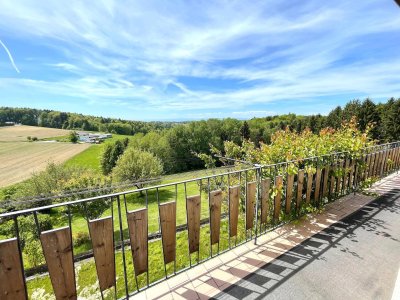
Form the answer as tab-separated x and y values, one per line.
267	196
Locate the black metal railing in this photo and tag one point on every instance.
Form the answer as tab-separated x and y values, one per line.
267	196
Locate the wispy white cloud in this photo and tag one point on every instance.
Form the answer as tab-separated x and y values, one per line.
127	52
9	56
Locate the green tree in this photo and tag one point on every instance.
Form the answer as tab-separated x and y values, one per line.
137	165
369	116
73	137
245	131
110	155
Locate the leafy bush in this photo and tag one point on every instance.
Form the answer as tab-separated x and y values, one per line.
135	165
81	238
27	228
34	254
73	137
287	145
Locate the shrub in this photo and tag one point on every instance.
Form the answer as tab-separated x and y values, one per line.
81	238
34	254
73	137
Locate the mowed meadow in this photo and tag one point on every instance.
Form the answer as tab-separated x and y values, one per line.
20	158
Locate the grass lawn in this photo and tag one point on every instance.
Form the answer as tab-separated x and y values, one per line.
90	158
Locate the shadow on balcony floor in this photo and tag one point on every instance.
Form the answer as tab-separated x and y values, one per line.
355	258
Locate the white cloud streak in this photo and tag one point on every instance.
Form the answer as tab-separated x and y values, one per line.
9	56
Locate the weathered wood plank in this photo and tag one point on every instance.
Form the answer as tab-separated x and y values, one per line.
367	167
289	192
12	284
234	192
377	163
317	185
193	204
346	175
215	215
309	187
300	184
384	161
57	249
265	187
371	166
101	233
325	181
339	181
168	230
332	182
137	224
278	197
250	201
397	158
352	181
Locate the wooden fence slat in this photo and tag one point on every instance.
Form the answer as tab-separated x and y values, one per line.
101	233
300	184
377	163
12	284
193	204
234	192
371	166
351	175
250	201
325	181
380	171
57	249
332	183
317	185
346	175
367	167
215	215
137	224
339	181
168	230
386	154
265	187
278	197
309	186
289	192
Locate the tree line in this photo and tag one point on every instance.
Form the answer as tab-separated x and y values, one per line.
177	144
73	121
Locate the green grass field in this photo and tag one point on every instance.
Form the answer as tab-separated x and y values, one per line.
90	158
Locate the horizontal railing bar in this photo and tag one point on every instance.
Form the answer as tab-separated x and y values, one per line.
74	202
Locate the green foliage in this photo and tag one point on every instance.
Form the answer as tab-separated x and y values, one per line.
287	145
56	180
34	254
57	119
73	137
111	154
80	238
135	165
245	131
27	228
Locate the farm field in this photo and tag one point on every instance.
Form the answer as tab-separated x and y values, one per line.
19	159
21	132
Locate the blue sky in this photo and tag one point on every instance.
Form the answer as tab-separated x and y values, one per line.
179	60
